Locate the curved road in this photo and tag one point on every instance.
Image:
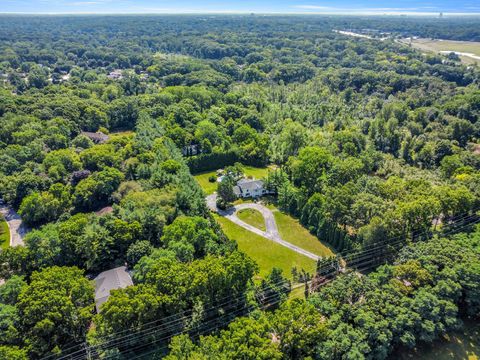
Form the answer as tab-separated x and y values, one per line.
14	221
271	232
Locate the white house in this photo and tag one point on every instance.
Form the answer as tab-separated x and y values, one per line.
250	188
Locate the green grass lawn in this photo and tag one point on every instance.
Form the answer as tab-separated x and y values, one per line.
4	234
210	188
252	217
292	231
207	186
298	293
256	172
463	344
266	253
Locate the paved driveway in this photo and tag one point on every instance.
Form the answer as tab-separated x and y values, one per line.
271	232
17	229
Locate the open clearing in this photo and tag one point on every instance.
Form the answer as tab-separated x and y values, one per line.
211	187
4	234
252	217
449	45
266	253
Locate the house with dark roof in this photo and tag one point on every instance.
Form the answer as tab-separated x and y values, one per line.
250	188
109	280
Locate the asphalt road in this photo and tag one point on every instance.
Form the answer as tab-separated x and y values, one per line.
14	221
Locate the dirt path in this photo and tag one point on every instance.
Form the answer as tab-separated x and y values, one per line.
271	232
17	229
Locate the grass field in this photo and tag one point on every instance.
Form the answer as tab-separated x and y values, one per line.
210	188
207	186
292	231
4	234
450	45
298	293
252	217
266	253
464	344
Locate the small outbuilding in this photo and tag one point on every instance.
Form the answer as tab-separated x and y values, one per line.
109	280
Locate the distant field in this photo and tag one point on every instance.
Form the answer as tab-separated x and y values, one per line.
252	217
266	253
464	344
4	235
210	188
449	45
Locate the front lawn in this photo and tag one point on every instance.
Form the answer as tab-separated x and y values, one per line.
266	253
292	231
252	217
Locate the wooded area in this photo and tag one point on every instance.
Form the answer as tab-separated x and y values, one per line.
104	119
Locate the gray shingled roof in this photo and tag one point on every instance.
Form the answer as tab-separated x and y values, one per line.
244	186
106	281
251	185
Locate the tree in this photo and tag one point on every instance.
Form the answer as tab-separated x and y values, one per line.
273	289
309	168
123	113
225	191
190	238
288	142
13	353
55	310
39	208
96	190
137	250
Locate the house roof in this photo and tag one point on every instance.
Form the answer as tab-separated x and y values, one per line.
109	280
250	185
247	186
96	137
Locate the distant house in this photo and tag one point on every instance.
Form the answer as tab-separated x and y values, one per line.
97	137
191	150
104	211
250	188
115	75
109	280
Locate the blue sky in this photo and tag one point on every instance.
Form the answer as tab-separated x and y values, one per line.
225	6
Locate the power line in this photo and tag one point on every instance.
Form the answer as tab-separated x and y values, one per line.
173	323
170	323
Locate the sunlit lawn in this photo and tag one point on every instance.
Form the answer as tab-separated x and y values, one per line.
266	253
292	231
4	234
207	186
252	217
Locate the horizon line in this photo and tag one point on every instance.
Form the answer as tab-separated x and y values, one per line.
245	12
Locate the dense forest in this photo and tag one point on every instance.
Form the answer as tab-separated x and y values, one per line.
104	119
